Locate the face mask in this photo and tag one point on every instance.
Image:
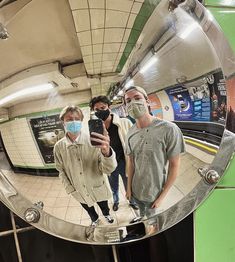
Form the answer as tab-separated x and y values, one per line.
73	127
136	109
103	114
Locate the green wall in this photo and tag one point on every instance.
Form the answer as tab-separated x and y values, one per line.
215	228
214	220
226	19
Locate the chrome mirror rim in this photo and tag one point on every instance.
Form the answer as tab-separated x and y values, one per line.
109	235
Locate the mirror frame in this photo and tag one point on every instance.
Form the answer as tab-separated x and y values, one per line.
158	223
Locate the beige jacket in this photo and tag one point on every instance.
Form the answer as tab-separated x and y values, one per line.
82	169
123	125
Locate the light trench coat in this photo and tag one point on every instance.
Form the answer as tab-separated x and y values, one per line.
83	168
123	125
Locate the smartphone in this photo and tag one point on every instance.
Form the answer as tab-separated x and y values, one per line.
95	125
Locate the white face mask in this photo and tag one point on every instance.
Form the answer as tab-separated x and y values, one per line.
136	109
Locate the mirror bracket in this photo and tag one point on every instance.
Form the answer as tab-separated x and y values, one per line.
210	176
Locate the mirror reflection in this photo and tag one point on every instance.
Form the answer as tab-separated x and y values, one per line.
93	49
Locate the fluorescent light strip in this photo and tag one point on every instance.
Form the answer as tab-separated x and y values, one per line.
227	12
129	83
150	62
120	93
26	91
210	16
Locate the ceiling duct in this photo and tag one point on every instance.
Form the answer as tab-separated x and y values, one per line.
169	34
74	71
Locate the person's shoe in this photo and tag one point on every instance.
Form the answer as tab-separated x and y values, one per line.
109	219
135	219
95	223
134	206
115	206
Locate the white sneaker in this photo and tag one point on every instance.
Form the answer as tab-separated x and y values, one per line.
136	219
95	223
109	219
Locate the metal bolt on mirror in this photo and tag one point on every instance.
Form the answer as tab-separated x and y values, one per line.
32	214
209	176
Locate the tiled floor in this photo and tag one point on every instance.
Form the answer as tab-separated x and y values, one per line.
50	191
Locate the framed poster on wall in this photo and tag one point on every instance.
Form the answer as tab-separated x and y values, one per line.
200	96
181	103
47	130
218	96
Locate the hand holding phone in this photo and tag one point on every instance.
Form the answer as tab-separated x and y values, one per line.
99	135
95	126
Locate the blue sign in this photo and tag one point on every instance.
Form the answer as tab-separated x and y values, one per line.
181	103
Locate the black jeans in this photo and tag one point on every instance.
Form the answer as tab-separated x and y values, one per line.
91	210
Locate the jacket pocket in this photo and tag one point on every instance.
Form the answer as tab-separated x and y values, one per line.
101	192
77	196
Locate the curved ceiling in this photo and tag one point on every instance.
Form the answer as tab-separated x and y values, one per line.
82	45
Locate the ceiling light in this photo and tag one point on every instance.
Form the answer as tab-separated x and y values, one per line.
120	93
150	62
27	91
129	83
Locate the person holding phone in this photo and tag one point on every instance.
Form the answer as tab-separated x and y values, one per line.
117	128
82	167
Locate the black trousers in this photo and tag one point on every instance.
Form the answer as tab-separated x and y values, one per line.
91	210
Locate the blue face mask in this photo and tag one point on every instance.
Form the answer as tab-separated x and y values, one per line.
73	127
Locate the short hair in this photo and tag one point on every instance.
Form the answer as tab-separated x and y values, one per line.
71	109
138	89
97	99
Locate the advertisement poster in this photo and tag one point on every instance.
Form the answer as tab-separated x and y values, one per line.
200	96
181	103
218	94
47	131
155	104
230	122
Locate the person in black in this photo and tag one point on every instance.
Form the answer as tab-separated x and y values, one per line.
117	128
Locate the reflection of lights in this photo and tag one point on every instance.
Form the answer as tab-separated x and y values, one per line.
120	93
115	98
27	91
227	11
150	62
129	83
210	16
188	30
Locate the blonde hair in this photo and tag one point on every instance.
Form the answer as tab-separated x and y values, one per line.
71	109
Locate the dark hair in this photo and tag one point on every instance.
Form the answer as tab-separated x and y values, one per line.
97	99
